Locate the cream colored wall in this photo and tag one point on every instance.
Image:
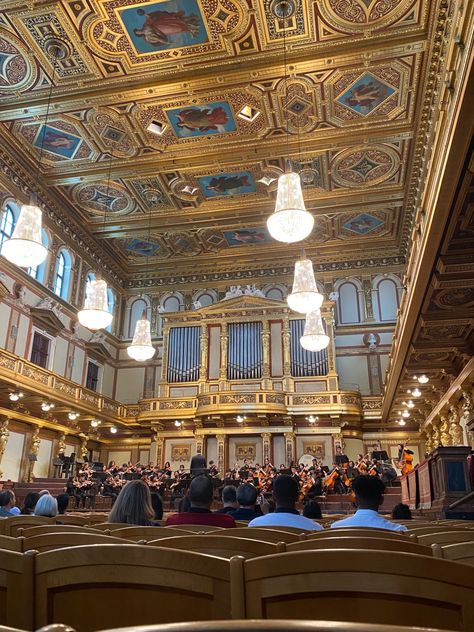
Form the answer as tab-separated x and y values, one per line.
108	377
11	461
353	370
234	441
119	456
4	322
279	456
78	365
129	384
353	447
60	356
328	448
179	441
211	449
42	465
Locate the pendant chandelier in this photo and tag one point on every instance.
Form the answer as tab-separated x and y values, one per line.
141	348
95	313
25	247
305	296
290	222
314	337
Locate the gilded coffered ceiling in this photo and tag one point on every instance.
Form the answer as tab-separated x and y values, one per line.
186	102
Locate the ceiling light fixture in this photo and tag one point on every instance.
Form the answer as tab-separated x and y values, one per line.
405	413
113	430
312	419
290	222
304	297
72	416
314	337
416	392
401	422
14	397
46	406
410	404
25	247
240	419
423	379
155	127
95	423
178	423
95	313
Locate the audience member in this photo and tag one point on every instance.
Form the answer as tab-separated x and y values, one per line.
43	492
401	512
369	492
200	496
184	504
133	505
29	503
229	499
7	502
247	498
46	506
63	502
157	504
285	495
312	510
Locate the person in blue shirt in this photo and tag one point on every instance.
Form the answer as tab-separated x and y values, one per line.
7	503
369	491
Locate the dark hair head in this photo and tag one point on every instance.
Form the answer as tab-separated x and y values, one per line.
229	494
63	502
157	505
141	11
368	489
401	512
133	505
247	495
285	490
29	503
200	491
312	510
6	497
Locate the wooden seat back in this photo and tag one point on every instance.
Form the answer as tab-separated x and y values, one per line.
11	526
7	543
75	520
356	532
363	586
146	533
52	541
460	552
55	528
16	589
346	542
446	537
220	546
264	535
99	586
196	528
419	531
241	523
111	526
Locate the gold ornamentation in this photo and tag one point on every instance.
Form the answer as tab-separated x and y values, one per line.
181	452
315	448
245	451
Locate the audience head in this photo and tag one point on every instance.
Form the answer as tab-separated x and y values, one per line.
229	496
43	492
63	502
7	499
201	492
29	503
247	495
285	491
312	510
46	506
157	505
401	512
368	491
133	505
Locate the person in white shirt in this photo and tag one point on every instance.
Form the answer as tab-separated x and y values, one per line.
285	495
369	492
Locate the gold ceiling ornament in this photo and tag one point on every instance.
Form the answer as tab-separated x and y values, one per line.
305	296
314	337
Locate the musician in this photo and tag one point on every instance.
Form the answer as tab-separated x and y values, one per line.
405	459
213	471
341	458
198	465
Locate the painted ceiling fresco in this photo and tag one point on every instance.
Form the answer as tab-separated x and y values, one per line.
185	101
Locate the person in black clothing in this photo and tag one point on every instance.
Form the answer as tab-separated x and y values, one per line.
63	502
229	498
157	505
198	465
312	510
29	503
246	497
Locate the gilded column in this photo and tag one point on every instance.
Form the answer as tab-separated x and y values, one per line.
445	437
83	447
266	349
4	434
267	446
369	306
290	448
201	444
204	353
224	347
455	428
221	453
436	435
33	454
159	450
61	445
429	439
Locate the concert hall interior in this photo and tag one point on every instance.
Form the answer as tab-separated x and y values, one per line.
239	231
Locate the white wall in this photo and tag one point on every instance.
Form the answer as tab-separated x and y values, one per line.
129	384
4	320
353	448
119	456
279	456
11	461
60	356
353	370
78	365
108	374
23	328
211	449
44	459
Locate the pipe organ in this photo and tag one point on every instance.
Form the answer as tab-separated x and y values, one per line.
303	362
244	356
184	354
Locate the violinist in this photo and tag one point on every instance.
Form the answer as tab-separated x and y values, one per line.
341	458
362	464
374	468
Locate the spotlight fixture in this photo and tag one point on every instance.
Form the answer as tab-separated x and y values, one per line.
73	416
178	423
401	422
416	392
46	406
312	419
14	397
423	379
240	419
113	430
95	423
410	404
405	413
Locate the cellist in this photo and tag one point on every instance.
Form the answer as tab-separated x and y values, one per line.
405	459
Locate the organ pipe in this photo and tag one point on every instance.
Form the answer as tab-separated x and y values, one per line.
305	363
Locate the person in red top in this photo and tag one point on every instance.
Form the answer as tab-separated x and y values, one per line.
200	495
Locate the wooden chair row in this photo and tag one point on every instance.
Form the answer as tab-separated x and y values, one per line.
102	586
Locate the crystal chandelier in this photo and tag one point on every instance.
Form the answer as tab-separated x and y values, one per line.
290	221
25	247
314	337
305	296
141	348
95	313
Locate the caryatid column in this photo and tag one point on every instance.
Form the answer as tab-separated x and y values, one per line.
290	448
455	428
4	434
445	437
266	446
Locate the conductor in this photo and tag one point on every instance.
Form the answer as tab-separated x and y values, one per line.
198	465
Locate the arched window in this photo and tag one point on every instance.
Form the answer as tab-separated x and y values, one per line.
205	298
387	300
348	305
136	310
62	274
7	225
275	293
37	272
111	301
171	304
